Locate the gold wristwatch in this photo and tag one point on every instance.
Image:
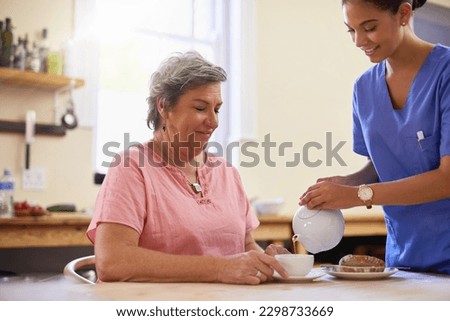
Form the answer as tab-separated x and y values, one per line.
365	194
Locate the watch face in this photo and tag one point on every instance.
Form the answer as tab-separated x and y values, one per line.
365	193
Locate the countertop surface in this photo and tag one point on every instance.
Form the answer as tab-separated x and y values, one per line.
404	286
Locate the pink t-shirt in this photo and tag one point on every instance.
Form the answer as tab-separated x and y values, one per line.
156	200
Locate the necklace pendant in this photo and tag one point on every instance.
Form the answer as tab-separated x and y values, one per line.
196	187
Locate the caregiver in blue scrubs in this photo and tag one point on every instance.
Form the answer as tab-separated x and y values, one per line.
401	122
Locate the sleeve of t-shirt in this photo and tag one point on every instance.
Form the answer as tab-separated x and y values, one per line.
359	145
121	198
444	94
252	221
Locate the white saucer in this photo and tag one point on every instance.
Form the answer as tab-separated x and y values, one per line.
314	274
362	275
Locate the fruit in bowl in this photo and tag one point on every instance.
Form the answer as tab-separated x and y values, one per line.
26	209
269	207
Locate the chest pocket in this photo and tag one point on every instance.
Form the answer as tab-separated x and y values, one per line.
425	155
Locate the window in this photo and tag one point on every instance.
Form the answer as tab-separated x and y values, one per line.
132	37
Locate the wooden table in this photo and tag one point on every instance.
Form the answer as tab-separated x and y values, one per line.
53	230
400	286
404	286
278	228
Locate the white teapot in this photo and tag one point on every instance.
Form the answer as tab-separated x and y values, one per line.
318	230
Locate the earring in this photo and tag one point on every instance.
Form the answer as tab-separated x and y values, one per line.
403	24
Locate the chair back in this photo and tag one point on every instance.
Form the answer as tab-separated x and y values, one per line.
82	269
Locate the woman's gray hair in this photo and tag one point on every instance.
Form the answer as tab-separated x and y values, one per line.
176	75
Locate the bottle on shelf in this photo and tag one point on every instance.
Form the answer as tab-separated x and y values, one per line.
19	55
27	53
7	185
55	63
12	56
35	62
7	44
44	48
68	58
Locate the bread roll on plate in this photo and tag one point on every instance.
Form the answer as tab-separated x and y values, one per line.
361	263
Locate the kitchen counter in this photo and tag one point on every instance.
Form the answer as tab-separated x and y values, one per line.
56	229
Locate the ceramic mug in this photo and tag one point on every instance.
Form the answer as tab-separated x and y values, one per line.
296	264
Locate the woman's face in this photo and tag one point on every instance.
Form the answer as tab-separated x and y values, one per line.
375	31
191	122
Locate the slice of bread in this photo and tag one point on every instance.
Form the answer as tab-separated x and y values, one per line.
361	263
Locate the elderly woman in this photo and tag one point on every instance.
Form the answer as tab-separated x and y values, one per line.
170	212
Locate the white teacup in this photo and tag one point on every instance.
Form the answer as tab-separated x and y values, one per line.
318	230
296	264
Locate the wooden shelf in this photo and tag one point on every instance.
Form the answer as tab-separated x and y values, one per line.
36	80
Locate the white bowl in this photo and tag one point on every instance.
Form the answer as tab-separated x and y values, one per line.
318	230
296	264
269	207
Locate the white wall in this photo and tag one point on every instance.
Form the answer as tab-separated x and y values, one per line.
444	3
306	66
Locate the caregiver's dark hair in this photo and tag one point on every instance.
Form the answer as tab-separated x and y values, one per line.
391	5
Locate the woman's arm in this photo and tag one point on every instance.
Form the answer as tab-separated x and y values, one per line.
365	175
121	259
430	186
250	243
271	249
426	187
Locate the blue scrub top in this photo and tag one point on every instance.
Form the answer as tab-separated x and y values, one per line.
406	142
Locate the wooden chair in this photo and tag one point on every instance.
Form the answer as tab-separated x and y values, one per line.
82	269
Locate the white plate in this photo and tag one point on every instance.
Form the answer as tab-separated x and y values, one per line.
362	275
314	274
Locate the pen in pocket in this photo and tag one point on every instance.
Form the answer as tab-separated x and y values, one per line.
420	137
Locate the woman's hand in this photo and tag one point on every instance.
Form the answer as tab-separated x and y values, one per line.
329	195
253	267
273	250
342	180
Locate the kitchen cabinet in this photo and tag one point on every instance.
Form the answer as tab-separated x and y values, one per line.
41	81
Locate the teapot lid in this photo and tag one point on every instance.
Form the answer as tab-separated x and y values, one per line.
303	212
